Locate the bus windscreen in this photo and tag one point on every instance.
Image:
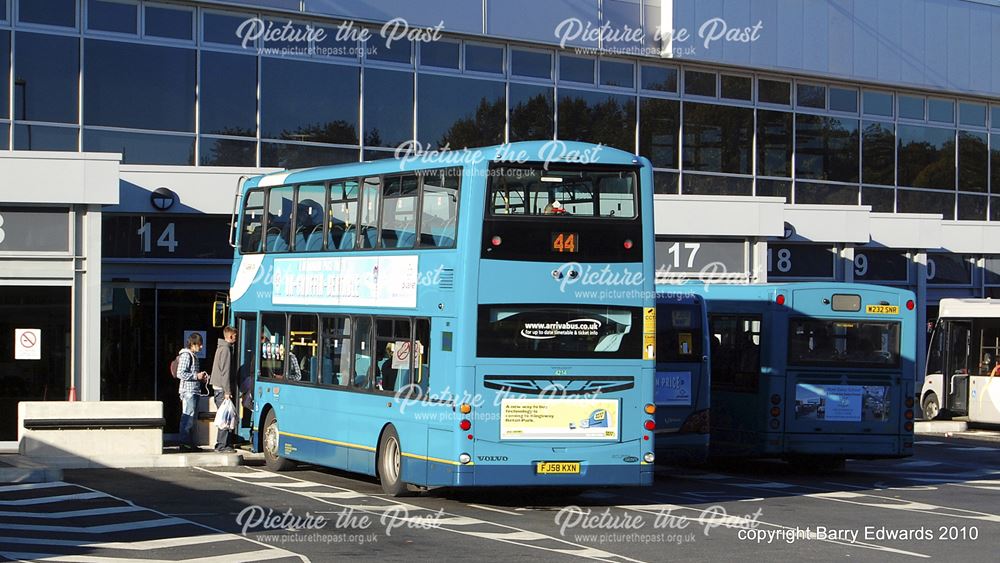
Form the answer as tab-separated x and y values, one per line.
854	342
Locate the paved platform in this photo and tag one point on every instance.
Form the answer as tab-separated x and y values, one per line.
16	468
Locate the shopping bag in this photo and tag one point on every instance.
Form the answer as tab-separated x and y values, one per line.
225	418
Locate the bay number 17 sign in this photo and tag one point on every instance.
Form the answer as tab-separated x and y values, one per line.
27	344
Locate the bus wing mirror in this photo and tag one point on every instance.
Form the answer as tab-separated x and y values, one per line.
218	314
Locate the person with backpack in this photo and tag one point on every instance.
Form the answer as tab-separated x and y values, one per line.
189	389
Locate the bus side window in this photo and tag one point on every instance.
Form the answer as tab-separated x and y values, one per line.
279	219
309	218
399	213
422	353
439	214
736	352
362	352
371	190
989	345
343	215
253	222
393	350
272	345
335	364
302	364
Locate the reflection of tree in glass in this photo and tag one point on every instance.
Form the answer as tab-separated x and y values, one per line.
718	138
926	157
826	148
338	131
531	119
608	121
226	152
972	161
878	154
373	138
483	129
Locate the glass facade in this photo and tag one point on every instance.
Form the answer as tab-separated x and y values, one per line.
175	84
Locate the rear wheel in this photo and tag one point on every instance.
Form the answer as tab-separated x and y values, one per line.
931	406
390	457
271	445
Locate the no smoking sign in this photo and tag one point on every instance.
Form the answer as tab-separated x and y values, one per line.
27	344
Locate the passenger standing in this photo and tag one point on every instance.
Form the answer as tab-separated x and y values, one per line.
189	389
222	383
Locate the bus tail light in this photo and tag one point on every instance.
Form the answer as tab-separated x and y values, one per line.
649	425
775	411
627	244
650	409
776	399
775	424
649	457
909	402
465	408
465	425
496	240
908	414
780	299
464	458
910	305
908	426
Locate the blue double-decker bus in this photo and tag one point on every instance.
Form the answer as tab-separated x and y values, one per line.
681	390
472	318
811	372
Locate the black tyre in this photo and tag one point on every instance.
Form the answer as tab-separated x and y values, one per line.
389	463
271	445
931	406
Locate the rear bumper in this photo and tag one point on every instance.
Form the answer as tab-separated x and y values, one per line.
633	474
849	445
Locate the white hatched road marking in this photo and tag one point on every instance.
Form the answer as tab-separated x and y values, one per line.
448	522
161	520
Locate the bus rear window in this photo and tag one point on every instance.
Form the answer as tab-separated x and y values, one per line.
837	343
579	192
532	331
678	333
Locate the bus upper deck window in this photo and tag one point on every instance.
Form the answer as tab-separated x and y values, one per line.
846	302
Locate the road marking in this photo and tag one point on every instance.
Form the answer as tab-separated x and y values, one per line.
72	513
447	522
47	500
919	464
262	555
101	529
491	509
29	486
143	545
928	443
975	449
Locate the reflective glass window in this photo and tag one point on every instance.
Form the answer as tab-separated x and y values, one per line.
941	110
310	203
371	190
531	111
844	99
224	28
704	184
399	212
825	194
973	161
665	182
972	114
774	92
227	152
995	117
774	188
915	201
4	136
338	42
718	138
285	37
926	157
460	112
617	73
61	13
439	209
699	83
252	222
399	51
737	87
661	78
388	107
295	114
995	163
878	153
41	138
484	58
303	348
280	203
971	207
774	143
911	107
168	22
4	72
140	86
292	155
597	118
112	15
531	64
826	148
46	78
810	96
877	103
576	69
342	233
882	200
228	94
659	130
442	54
141	148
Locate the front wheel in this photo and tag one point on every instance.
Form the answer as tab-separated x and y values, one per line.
390	455
272	440
931	406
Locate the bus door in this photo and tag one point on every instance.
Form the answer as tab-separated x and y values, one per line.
681	390
246	355
956	368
